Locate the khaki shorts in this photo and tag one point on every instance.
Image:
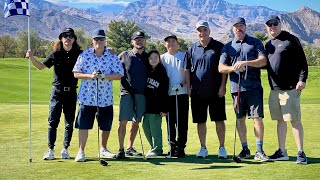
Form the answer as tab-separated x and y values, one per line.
285	105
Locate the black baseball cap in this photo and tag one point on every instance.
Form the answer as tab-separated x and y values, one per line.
240	20
273	18
170	36
138	34
67	30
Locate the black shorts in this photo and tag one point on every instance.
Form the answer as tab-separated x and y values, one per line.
86	115
251	103
199	109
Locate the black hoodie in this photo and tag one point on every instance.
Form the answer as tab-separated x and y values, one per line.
157	90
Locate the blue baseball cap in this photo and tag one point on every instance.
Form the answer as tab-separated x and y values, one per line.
98	33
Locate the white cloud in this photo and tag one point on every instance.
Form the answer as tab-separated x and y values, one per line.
91	2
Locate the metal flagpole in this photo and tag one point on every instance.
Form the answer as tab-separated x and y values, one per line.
30	106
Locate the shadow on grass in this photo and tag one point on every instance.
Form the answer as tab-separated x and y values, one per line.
311	160
190	159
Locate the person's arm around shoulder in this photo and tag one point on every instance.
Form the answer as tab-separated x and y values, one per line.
224	61
187	67
302	63
261	61
117	69
78	70
37	64
222	89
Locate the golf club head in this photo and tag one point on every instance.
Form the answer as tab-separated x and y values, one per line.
236	159
103	162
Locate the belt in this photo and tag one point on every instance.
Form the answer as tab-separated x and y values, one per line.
65	88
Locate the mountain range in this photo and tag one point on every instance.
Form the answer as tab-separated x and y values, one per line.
161	17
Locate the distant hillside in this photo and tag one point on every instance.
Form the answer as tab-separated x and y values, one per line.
160	17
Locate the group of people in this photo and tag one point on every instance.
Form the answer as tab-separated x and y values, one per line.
155	86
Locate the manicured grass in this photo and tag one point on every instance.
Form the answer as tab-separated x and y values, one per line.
14	140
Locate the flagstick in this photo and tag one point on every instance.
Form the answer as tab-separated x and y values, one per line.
30	107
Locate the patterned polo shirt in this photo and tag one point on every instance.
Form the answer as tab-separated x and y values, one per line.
107	63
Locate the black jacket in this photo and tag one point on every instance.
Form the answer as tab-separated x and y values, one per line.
287	62
157	90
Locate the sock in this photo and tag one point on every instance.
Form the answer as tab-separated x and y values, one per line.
244	145
259	146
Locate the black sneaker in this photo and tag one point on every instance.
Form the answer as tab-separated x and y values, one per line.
180	153
279	156
132	152
245	153
121	154
301	158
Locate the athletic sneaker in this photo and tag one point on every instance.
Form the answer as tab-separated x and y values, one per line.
261	156
180	153
121	154
202	153
151	154
104	152
81	157
245	153
132	152
222	153
301	158
279	156
49	155
65	154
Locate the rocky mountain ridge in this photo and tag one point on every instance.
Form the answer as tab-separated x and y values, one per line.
160	17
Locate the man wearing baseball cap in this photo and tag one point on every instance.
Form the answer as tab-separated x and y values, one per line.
242	59
207	87
64	88
132	90
287	72
97	67
177	118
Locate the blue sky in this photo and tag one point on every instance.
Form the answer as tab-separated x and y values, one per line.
282	5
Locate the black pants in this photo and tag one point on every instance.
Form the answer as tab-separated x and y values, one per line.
179	139
65	99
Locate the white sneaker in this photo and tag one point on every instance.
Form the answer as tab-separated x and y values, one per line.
65	154
80	157
49	155
202	153
222	153
104	152
151	154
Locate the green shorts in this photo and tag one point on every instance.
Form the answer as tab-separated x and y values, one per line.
130	108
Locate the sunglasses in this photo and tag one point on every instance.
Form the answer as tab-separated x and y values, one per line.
71	36
274	23
99	38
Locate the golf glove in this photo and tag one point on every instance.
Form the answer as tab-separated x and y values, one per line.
98	74
176	87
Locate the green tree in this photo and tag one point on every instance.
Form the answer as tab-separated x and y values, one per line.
308	51
83	40
22	43
183	44
261	36
119	34
7	46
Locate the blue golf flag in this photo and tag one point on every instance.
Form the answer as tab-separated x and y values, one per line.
16	7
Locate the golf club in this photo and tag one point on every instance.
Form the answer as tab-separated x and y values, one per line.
177	114
101	161
169	142
236	158
144	157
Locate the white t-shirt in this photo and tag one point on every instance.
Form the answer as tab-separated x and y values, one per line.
175	66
